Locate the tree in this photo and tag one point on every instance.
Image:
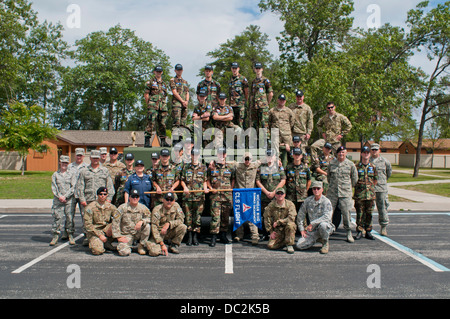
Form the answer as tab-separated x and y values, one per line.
23	128
432	29
109	78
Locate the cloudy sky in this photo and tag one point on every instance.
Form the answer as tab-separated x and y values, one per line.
187	29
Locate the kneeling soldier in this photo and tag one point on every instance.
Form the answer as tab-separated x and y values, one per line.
167	223
98	217
131	223
319	211
279	220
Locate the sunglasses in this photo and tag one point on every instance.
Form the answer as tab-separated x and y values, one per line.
279	193
247	158
134	196
170	199
315	188
330	107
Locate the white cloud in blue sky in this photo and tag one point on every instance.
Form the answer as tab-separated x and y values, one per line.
187	30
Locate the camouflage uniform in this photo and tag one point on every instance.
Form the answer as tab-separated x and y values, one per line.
221	125
98	221
365	195
123	225
259	102
90	180
322	162
342	177
283	120
76	169
157	107
202	109
333	126
237	87
165	177
63	184
179	112
303	122
384	170
160	216
119	184
114	169
194	176
284	215
221	177
212	90
270	177
319	213
297	177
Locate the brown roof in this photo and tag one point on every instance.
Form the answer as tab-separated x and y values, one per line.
383	144
440	144
102	138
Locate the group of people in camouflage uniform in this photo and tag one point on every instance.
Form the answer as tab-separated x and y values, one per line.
286	182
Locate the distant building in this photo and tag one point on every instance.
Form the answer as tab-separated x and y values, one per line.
434	153
389	150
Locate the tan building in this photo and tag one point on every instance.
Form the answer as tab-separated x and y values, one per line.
434	154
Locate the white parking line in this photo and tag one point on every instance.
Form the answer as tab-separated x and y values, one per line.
36	260
3	216
228	259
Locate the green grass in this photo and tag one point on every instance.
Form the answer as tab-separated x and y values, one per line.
441	189
393	198
402	177
33	185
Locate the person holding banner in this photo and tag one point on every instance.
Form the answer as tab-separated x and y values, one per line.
193	178
221	175
279	221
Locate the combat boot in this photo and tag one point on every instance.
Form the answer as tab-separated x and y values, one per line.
140	249
383	231
189	241
223	238
194	239
54	240
290	249
325	247
71	240
213	240
64	236
174	249
369	235
350	237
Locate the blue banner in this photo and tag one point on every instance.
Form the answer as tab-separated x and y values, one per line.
247	207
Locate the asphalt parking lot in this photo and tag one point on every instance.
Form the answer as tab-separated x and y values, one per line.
412	262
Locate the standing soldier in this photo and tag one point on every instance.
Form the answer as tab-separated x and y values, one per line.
76	168
193	178
365	194
342	177
131	223
180	100
103	155
211	87
238	90
202	112
121	178
282	118
245	178
333	127
319	210
91	179
384	170
167	222
303	119
98	221
298	180
63	186
320	166
156	98
140	181
221	175
114	167
261	95
279	221
166	177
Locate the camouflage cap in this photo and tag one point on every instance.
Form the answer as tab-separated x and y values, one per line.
95	154
103	150
375	146
280	190
317	184
64	159
79	151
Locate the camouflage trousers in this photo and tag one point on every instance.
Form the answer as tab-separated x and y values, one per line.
220	213
382	207
316	147
239	115
156	122
364	210
322	231
253	231
124	249
260	118
175	235
285	236
345	205
96	246
193	211
59	211
179	116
